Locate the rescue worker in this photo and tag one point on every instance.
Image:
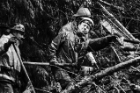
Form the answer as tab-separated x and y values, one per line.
10	66
71	40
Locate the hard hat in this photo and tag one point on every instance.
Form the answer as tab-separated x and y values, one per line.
83	12
90	21
19	27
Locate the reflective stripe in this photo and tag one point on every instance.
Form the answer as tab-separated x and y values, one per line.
3	76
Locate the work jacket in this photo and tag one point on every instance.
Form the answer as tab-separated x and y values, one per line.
67	45
9	61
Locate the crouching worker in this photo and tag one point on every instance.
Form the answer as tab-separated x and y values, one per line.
10	66
73	39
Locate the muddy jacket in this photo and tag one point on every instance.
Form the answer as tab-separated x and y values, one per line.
9	63
66	46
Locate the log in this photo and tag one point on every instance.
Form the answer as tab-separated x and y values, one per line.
117	24
36	63
102	74
111	5
47	64
112	69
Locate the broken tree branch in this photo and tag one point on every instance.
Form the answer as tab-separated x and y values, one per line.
103	73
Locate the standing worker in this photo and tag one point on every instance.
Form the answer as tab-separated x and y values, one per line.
71	40
10	66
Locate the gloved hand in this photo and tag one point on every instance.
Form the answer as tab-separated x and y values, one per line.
58	64
112	38
8	44
12	40
54	62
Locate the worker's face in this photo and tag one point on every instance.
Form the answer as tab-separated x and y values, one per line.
18	34
84	27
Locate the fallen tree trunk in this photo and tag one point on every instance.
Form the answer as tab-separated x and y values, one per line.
115	68
47	64
117	24
37	63
101	74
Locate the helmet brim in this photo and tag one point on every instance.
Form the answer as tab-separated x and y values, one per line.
88	19
76	15
18	27
17	30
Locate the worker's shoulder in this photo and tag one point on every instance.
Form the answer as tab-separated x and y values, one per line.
68	28
4	38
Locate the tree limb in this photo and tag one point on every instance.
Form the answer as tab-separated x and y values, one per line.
104	73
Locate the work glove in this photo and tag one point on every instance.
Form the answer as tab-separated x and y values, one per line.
54	62
12	40
111	38
8	44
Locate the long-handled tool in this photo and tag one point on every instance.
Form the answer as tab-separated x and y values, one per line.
25	71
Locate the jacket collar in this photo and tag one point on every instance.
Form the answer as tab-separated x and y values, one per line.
74	27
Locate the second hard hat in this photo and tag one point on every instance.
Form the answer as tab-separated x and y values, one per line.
19	27
83	12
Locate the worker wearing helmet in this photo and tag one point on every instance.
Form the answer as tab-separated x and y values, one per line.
71	40
10	66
